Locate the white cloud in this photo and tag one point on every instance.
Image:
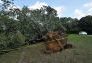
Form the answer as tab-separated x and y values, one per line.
37	5
16	6
88	5
90	10
78	13
1	2
60	10
85	10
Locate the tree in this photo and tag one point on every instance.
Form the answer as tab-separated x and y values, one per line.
71	24
6	4
85	24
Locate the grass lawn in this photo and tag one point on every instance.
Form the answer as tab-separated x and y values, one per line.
81	53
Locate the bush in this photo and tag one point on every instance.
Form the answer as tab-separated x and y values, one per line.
12	40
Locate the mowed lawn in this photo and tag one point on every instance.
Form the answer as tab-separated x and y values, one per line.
80	53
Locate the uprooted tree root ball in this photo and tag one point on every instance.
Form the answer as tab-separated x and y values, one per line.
56	42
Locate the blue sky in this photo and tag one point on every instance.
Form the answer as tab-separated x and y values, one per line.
65	8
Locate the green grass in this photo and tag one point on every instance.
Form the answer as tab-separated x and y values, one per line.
81	53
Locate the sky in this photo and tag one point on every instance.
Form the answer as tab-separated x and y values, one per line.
65	8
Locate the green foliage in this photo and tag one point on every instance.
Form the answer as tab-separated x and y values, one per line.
11	40
6	4
71	24
3	41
